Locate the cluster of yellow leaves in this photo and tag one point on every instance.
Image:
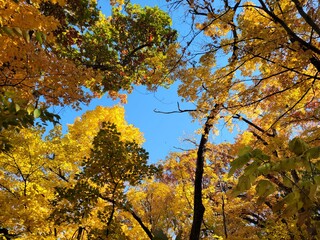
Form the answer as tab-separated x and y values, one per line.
36	165
27	62
87	126
26	186
114	2
174	191
268	76
25	16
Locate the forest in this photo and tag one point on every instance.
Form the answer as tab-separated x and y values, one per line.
254	64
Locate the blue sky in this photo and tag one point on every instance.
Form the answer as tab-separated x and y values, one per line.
163	133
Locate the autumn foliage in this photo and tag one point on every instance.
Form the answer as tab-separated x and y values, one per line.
251	67
57	53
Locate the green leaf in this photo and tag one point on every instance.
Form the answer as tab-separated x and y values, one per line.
26	36
37	113
244	183
256	152
278	206
235	192
239	163
244	150
259	155
17	107
30	109
252	169
12	107
292	197
159	235
265	188
298	146
288	164
264	169
313	153
9	94
8	31
313	191
43	36
317	180
39	37
292	202
17	31
287	182
290	210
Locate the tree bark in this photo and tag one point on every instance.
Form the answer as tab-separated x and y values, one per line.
198	208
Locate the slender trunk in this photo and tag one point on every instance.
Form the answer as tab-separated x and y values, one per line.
139	220
198	208
224	217
127	208
80	233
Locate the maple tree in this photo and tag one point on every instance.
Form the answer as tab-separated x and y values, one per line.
257	66
268	79
67	52
65	185
224	216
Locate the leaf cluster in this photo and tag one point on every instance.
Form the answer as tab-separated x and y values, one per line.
294	179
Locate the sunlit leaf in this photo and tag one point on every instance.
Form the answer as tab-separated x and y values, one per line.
37	113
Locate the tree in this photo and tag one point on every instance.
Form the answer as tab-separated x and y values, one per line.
255	74
265	185
24	191
269	78
224	217
98	192
67	52
36	172
293	177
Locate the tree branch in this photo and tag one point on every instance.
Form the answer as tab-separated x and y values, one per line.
138	219
134	215
306	17
177	111
237	116
288	30
292	107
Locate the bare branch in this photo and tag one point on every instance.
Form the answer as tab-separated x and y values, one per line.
237	116
177	111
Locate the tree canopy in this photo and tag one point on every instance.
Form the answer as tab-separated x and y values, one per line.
268	79
56	53
251	66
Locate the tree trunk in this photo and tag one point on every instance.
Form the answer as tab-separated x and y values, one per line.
198	208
